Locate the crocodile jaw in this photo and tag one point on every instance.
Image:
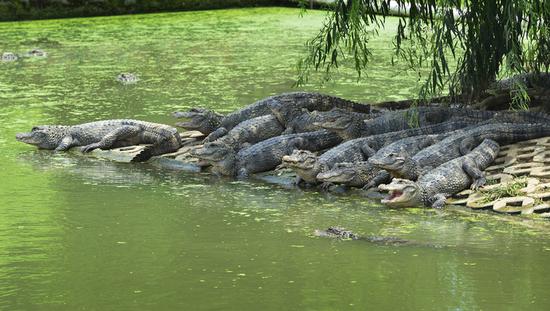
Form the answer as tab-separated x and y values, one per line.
402	193
341	175
210	153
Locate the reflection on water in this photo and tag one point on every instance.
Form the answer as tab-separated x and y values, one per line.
83	233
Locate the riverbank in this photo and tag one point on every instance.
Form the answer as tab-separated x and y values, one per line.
48	9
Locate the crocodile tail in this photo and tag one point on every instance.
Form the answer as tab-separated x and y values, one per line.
167	145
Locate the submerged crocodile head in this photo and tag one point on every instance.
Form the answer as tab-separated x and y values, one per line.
402	193
44	136
336	232
199	119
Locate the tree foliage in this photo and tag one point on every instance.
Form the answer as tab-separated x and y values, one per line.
464	44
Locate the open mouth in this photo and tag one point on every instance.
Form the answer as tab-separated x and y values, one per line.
392	196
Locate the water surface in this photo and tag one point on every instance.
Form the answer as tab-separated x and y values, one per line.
78	233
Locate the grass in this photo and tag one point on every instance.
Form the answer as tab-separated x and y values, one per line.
511	189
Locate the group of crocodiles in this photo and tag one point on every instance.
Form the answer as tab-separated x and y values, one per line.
420	155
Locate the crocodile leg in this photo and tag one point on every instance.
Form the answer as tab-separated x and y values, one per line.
367	150
380	178
219	132
66	143
439	200
478	178
110	139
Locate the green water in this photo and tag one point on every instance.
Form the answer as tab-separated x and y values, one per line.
78	233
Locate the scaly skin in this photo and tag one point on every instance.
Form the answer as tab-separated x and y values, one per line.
349	127
460	143
265	155
434	187
343	234
106	135
359	174
356	150
308	101
250	132
297	119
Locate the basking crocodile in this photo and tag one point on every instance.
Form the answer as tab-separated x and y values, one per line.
349	127
297	119
265	155
458	144
250	132
358	174
105	135
127	78
9	57
309	101
307	165
433	188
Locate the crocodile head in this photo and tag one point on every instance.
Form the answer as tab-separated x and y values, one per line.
402	193
341	173
285	112
336	232
199	119
300	159
390	160
214	151
44	136
337	119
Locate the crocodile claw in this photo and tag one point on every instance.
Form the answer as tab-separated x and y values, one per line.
89	148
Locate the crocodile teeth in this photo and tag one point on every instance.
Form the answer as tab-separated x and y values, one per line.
393	194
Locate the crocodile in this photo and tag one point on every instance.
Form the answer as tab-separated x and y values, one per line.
307	165
297	119
249	132
265	155
348	127
9	57
358	174
433	188
36	53
127	78
309	101
458	144
343	234
105	134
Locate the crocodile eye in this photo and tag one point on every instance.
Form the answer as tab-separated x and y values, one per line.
35	128
391	155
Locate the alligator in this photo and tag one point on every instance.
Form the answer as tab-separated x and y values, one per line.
458	144
9	57
309	101
307	165
265	155
528	80
249	132
36	53
358	174
433	188
343	234
348	127
127	78
297	119
105	135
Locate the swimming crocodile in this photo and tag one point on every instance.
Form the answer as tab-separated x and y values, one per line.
105	135
343	234
9	57
36	53
433	188
458	144
207	121
265	155
307	165
127	78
